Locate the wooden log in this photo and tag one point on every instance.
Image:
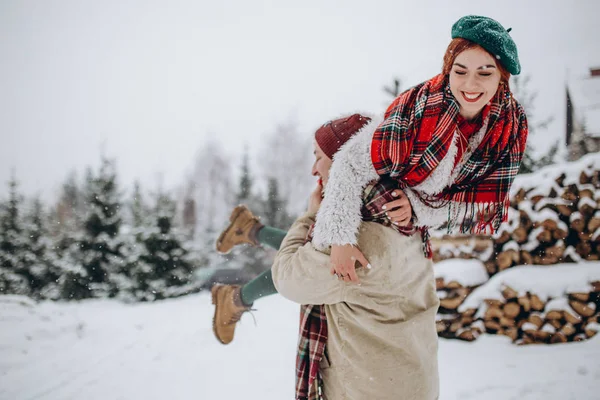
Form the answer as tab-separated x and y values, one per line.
544	236
509	293
585	236
595	286
455	326
507	322
577	222
451	303
492	326
583	309
580	337
503	238
572	317
507	259
526	258
493	313
565	209
469	335
568	329
491	266
441	326
536	319
555	323
590	332
584	178
558	337
594	223
439	283
554	315
560	234
520	235
580	296
546	259
536	303
584	249
494	303
512	333
525	303
525	340
557	250
453	285
540	336
511	310
470	312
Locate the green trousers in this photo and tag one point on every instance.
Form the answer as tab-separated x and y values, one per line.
262	285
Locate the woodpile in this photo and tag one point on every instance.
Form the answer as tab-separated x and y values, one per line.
553	222
554	217
527	319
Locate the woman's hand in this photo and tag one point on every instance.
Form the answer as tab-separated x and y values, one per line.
343	259
399	211
315	199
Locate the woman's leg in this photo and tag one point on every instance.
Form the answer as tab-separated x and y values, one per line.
262	285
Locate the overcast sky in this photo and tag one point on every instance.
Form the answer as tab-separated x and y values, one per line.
150	81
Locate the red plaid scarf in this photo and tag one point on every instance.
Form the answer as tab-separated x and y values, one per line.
416	135
313	320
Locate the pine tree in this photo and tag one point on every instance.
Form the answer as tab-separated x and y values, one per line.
164	268
100	247
14	277
275	208
38	254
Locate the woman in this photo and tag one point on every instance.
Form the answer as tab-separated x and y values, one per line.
454	144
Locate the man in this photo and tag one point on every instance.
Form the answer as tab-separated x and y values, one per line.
373	340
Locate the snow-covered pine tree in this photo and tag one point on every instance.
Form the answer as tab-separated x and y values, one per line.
164	268
14	277
99	245
38	253
275	207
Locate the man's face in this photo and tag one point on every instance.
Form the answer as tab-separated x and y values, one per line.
321	165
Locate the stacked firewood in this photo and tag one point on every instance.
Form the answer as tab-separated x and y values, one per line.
449	321
551	223
528	319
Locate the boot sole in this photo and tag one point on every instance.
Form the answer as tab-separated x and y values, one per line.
236	213
213	292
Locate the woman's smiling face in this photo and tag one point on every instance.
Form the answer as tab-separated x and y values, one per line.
474	80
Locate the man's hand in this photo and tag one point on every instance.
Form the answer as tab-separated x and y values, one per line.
343	259
315	199
399	211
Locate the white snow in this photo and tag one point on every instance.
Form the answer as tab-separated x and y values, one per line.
546	281
466	272
544	179
99	350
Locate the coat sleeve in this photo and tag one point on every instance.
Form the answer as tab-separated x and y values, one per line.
339	216
301	273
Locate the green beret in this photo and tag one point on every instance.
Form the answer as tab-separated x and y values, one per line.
490	35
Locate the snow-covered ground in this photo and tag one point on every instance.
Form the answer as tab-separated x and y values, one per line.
166	350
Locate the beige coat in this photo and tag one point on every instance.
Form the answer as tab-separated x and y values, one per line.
382	341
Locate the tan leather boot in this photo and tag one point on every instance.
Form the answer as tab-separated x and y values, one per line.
228	311
243	228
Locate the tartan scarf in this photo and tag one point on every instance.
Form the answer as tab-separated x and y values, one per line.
416	135
313	320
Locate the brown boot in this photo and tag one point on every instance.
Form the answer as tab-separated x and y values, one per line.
243	228
228	310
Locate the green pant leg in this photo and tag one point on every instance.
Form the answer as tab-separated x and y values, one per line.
262	285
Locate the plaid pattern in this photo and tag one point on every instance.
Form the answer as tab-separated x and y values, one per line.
313	321
416	135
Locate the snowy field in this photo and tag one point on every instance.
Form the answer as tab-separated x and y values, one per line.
106	350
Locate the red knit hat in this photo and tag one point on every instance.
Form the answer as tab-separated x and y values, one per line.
333	134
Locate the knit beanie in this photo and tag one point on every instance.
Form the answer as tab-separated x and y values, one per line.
492	36
333	134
